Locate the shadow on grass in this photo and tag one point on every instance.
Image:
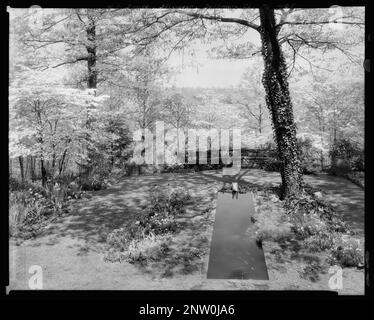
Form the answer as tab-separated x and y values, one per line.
347	198
93	219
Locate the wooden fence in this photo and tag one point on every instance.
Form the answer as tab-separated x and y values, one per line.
31	168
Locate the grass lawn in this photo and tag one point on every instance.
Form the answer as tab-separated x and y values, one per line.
72	249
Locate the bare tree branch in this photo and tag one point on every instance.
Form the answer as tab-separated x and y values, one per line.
337	20
220	19
71	62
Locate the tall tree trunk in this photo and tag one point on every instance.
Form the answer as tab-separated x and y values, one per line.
20	159
32	168
111	155
322	130
279	103
44	172
91	50
91	80
10	167
143	127
260	118
53	164
27	167
61	164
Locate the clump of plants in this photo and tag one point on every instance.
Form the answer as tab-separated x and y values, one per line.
269	222
148	235
144	249
347	253
29	211
120	238
270	226
320	241
94	182
310	215
31	205
171	201
320	228
308	154
305	225
150	247
346	156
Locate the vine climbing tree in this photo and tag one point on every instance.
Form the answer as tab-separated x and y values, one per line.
279	103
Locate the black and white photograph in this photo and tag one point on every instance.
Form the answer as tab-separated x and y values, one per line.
188	149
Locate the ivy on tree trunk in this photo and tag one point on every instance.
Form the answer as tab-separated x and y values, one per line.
279	103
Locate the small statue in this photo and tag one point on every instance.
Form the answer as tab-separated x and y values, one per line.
234	187
235	190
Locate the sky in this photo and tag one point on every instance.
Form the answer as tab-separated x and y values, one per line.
223	73
201	70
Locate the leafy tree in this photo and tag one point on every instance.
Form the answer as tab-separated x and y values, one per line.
74	37
116	139
250	98
46	120
176	109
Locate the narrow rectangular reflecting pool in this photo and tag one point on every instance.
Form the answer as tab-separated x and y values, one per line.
235	254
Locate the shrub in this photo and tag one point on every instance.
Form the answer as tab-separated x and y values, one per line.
57	193
27	213
92	183
164	206
271	227
269	221
346	156
272	164
358	162
119	239
16	216
309	156
30	201
16	185
151	247
64	188
308	214
171	202
307	225
320	242
340	167
159	223
144	237
31	206
136	248
347	253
